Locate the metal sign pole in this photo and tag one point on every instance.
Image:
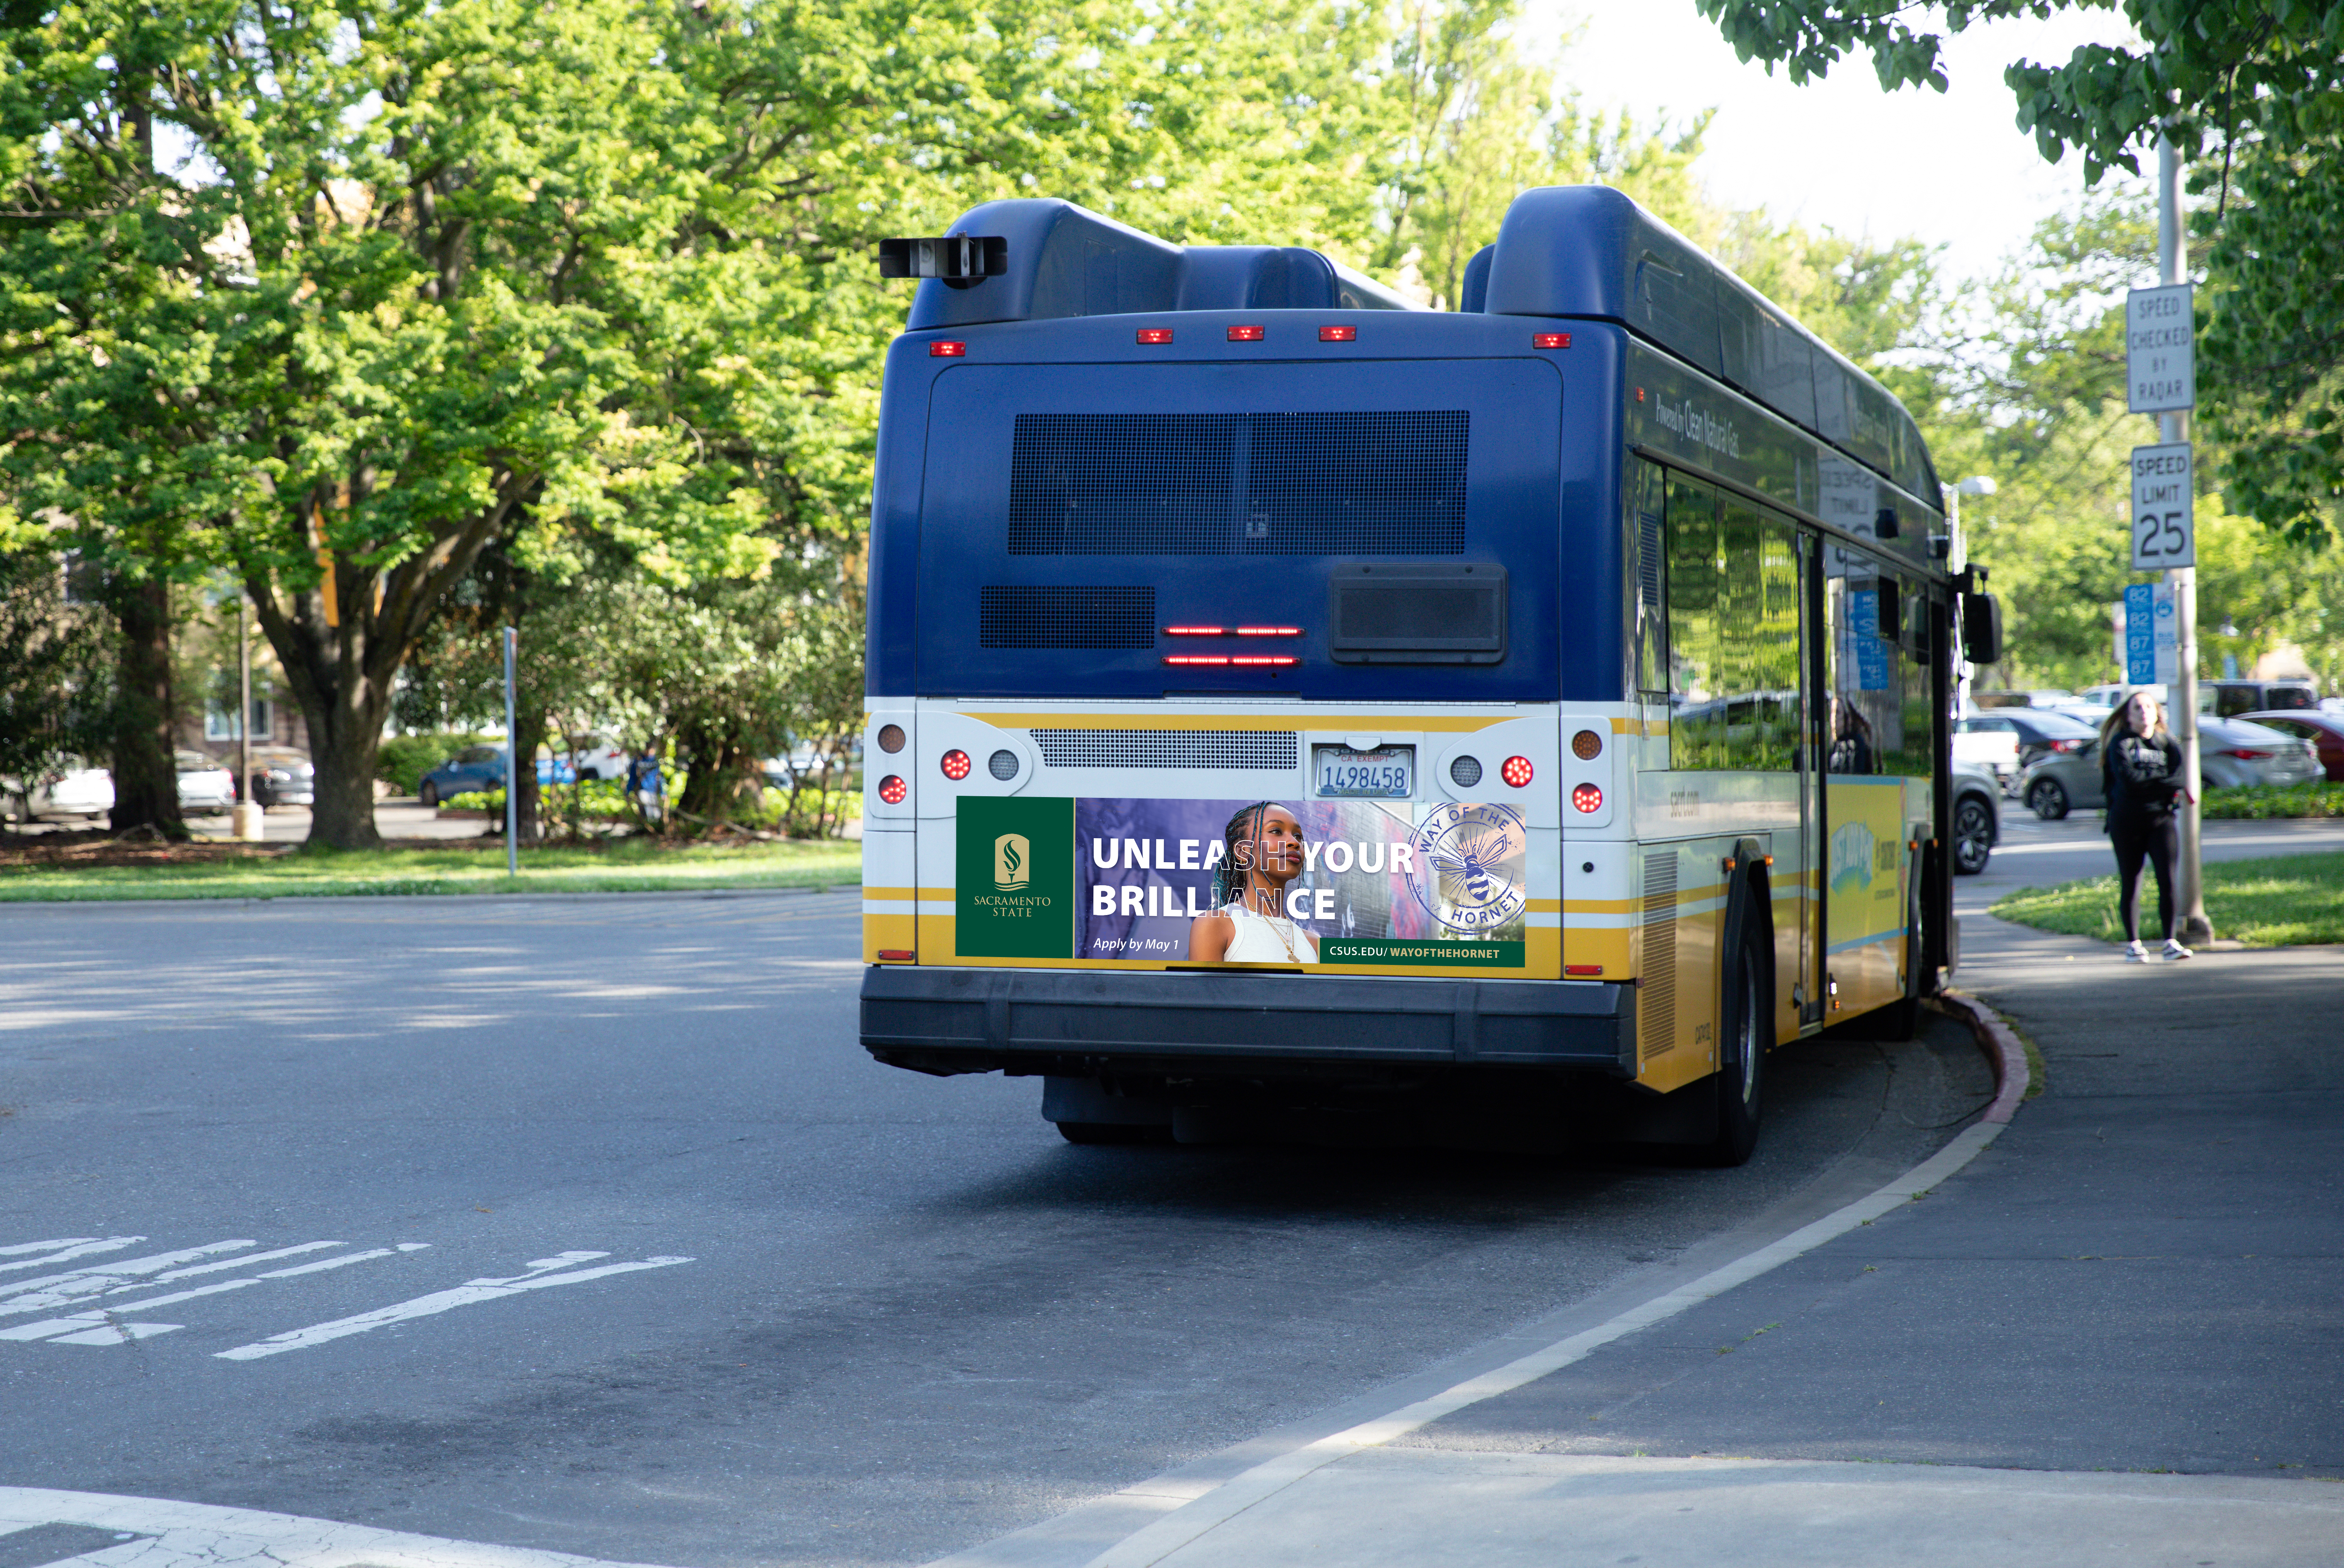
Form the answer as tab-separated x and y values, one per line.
2173	429
512	762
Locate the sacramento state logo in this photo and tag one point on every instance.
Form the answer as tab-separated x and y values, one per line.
1470	865
1013	863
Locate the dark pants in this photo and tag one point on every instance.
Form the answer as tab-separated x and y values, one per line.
2154	837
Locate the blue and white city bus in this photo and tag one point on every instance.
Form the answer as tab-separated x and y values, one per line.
1281	694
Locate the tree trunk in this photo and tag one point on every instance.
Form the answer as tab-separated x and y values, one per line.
720	780
530	728
145	773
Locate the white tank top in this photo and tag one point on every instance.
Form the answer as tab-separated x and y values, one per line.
1261	938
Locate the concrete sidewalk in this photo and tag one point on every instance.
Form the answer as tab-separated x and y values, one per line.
2115	1337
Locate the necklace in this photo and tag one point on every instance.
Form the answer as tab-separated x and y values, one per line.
1278	928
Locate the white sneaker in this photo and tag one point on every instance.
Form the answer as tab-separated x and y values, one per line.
2175	952
2135	952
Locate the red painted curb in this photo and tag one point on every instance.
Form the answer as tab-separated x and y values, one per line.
2011	1075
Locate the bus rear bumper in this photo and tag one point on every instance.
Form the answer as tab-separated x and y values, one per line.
1080	1022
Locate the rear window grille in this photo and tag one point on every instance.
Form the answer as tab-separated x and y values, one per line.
1019	617
1250	749
1239	484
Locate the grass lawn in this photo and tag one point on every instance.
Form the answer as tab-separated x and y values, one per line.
2282	902
42	870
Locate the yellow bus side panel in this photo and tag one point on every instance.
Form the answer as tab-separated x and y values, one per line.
1676	1010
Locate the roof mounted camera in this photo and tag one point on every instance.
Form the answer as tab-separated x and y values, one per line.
957	260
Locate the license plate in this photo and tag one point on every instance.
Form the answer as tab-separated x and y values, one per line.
1388	773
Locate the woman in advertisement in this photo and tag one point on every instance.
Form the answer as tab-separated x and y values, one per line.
1249	924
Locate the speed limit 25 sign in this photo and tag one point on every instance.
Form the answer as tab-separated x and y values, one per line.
2164	527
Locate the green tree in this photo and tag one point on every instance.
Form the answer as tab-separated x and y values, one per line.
2252	90
57	665
438	276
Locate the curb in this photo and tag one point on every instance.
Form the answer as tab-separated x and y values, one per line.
2011	1075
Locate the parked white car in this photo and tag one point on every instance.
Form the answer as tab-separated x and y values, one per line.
1990	744
75	790
600	756
205	785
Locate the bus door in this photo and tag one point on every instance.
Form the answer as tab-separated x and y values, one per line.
1815	746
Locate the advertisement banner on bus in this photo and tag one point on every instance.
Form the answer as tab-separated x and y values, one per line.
1334	882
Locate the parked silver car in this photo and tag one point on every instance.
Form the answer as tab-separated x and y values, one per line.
1977	816
2231	752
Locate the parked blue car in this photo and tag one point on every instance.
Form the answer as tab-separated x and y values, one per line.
482	768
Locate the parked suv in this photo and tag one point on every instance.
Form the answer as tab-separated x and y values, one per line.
2232	698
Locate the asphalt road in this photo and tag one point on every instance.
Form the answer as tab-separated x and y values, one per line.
592	1229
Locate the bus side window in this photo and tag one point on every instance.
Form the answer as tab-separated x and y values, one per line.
1696	697
1734	632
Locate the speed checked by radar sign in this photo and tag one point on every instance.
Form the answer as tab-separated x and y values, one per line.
2164	523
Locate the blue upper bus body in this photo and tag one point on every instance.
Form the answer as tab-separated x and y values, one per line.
1159	531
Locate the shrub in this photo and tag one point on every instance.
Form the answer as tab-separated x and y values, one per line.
2262	803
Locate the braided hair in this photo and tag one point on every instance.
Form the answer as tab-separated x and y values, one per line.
1231	879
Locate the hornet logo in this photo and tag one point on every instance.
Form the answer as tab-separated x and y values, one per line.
1013	863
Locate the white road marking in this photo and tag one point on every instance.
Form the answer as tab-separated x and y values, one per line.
1188	1512
237	1263
465	1295
194	1535
53	1327
116	1334
323	1264
43	1245
58	1289
81	1247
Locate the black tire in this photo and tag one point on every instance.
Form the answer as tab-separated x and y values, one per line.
1972	835
429	793
2047	798
1103	1132
1745	1020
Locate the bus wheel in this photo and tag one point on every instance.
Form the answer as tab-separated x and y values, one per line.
1742	1066
1103	1132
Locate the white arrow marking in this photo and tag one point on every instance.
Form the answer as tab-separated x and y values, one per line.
463	1295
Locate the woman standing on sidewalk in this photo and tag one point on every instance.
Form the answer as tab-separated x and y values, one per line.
2140	775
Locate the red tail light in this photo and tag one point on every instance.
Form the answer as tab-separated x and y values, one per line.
946	350
1197	658
956	764
1155	335
1261	659
893	789
2244	755
2067	746
1244	334
1582	969
1586	797
1338	334
1550	339
1196	631
895	955
1515	771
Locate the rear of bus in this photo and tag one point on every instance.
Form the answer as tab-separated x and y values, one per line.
1170	543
